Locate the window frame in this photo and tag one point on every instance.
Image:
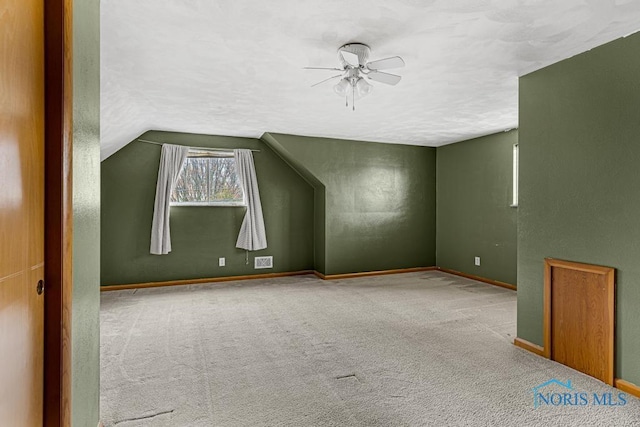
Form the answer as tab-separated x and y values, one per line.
211	154
515	189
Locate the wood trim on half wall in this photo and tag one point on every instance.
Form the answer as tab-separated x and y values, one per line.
529	346
202	281
627	387
58	212
372	273
478	278
106	288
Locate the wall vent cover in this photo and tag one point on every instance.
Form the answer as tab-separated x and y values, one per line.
263	262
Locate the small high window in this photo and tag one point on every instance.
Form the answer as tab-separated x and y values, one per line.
208	179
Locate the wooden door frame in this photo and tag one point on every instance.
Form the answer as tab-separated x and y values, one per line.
58	212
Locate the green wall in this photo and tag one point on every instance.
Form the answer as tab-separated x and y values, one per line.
474	217
579	182
85	328
319	229
319	197
199	235
379	200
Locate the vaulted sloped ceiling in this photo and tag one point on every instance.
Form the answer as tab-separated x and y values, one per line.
234	67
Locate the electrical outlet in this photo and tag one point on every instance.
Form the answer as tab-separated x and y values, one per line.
477	261
221	262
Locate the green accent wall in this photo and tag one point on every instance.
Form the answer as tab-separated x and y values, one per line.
85	327
579	183
199	235
379	201
474	214
319	197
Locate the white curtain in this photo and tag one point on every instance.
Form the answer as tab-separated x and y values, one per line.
171	163
252	235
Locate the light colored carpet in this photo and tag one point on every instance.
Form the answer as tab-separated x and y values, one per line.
417	349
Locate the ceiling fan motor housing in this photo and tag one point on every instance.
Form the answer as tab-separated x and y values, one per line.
360	49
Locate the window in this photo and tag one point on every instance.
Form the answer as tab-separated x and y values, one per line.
514	202
208	179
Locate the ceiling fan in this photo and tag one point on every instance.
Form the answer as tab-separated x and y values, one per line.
355	70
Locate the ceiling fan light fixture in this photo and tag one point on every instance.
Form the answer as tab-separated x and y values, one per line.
363	87
356	70
341	88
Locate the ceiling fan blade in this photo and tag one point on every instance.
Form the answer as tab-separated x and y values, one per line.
386	78
326	80
322	68
386	64
350	58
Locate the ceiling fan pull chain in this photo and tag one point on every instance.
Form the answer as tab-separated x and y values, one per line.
353	104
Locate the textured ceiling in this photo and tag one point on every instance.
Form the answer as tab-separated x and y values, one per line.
233	67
